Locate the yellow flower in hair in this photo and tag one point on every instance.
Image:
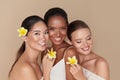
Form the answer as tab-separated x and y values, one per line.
51	53
22	31
72	60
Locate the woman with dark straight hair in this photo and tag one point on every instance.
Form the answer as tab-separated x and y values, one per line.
34	33
57	22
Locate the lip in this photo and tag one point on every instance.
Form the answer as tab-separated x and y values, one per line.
42	43
85	49
58	39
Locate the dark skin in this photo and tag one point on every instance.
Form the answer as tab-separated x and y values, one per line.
57	28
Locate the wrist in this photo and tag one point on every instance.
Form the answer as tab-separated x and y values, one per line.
46	76
82	78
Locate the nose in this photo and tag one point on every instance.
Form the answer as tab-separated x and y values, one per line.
42	37
85	43
58	32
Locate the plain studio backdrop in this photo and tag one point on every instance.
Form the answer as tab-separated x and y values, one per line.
103	17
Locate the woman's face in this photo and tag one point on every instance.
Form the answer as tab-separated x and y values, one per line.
57	28
82	40
38	36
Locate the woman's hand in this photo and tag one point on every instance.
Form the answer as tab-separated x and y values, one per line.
77	72
46	66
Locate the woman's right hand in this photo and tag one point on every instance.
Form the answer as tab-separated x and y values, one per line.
77	72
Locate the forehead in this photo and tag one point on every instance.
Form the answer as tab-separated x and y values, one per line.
81	33
56	21
39	26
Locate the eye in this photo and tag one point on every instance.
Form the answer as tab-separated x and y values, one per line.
46	32
89	38
36	33
51	28
64	28
78	41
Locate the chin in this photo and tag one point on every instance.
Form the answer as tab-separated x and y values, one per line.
57	43
42	48
86	53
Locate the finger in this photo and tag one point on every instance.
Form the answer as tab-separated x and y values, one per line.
72	70
78	66
45	56
74	67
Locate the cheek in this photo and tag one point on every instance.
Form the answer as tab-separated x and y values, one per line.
78	47
31	40
46	37
90	42
64	32
75	45
51	33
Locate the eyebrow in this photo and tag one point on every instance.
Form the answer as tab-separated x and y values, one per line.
77	39
89	35
36	31
80	38
55	27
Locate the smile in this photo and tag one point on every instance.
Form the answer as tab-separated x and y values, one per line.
57	39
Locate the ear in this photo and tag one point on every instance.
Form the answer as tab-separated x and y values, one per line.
24	38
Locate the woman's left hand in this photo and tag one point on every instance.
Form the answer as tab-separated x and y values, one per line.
47	65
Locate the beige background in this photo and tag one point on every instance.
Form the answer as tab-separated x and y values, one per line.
103	16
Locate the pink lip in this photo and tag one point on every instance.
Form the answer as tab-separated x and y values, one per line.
85	49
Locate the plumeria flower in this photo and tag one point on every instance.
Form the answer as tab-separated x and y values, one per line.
22	31
72	60
51	54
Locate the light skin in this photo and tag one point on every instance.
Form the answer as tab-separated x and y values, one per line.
82	41
27	67
57	28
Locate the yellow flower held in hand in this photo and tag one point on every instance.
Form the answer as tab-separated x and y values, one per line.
22	31
51	53
72	60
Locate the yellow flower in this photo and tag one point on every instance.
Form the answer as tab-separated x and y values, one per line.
22	31
51	53
72	60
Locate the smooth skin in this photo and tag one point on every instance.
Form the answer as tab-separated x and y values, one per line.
27	67
57	28
82	41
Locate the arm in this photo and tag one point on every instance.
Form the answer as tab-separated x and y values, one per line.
69	53
47	65
102	68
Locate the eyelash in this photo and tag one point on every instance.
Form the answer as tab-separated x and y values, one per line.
89	38
60	28
78	42
51	29
37	34
64	28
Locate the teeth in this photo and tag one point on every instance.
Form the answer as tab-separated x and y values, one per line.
42	44
85	49
57	39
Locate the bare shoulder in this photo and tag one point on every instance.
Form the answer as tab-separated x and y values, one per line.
24	72
26	68
28	72
101	62
102	68
71	51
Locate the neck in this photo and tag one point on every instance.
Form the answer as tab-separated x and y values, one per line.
84	58
62	45
31	55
